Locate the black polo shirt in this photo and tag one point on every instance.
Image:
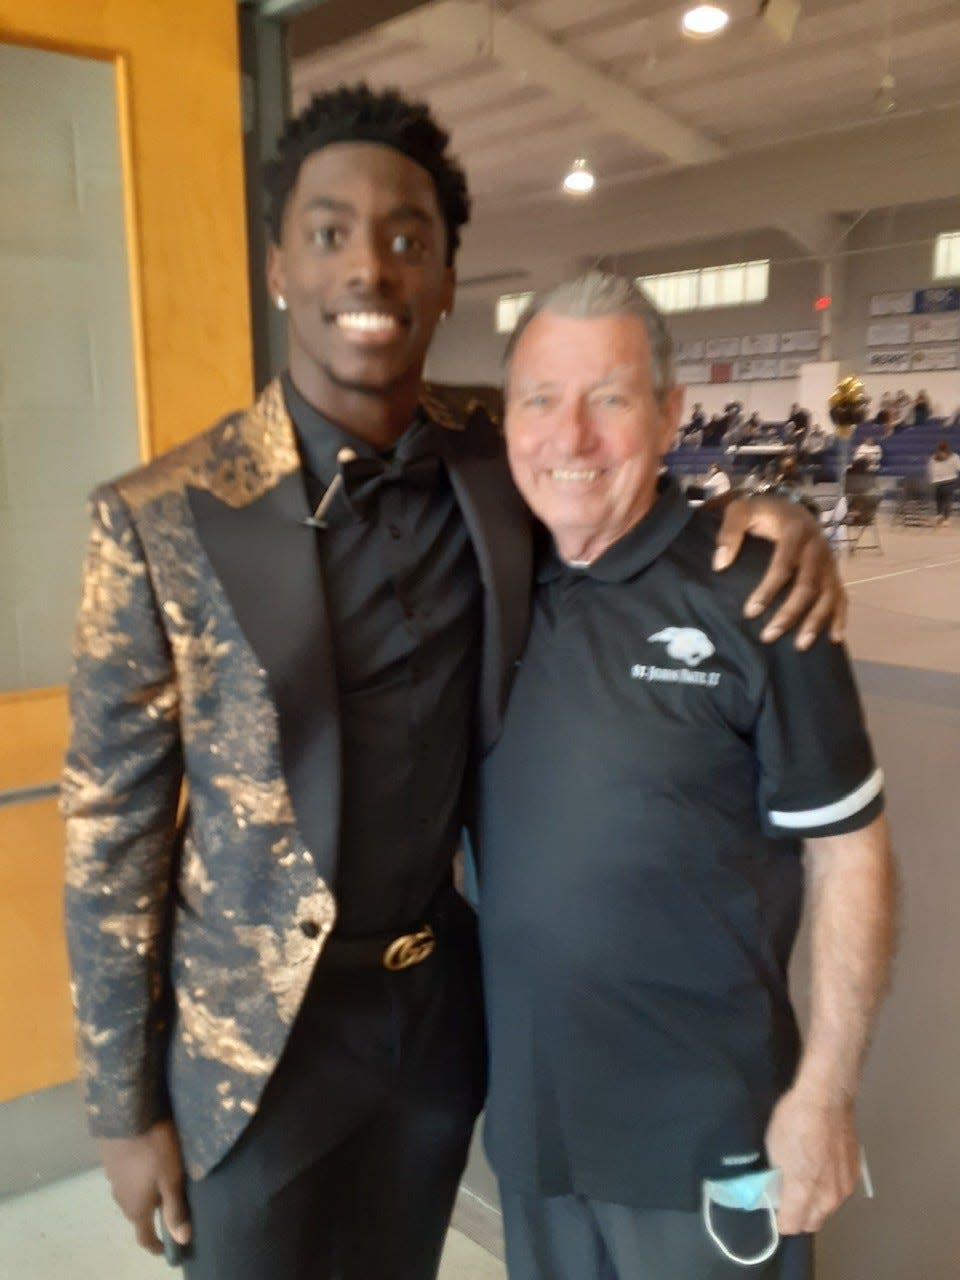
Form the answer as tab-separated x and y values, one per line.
404	602
639	841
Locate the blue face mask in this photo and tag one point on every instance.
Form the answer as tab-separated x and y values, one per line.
748	1192
752	1191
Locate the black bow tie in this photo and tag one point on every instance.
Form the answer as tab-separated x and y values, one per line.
363	478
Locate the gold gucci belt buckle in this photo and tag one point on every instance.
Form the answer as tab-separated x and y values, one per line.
409	949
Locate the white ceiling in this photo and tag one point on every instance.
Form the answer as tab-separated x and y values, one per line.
526	85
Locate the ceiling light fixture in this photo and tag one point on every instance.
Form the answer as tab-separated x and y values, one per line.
885	95
704	20
579	181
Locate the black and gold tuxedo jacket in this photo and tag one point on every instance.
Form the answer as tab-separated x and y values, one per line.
202	783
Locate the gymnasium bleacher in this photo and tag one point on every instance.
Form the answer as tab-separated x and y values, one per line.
904	454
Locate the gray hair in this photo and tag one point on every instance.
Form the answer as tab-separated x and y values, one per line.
599	293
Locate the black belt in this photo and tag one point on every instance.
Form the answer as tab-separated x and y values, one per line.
393	951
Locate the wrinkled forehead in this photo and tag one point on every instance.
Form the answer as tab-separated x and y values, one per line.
580	351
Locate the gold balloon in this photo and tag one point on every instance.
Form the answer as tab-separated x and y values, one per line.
849	403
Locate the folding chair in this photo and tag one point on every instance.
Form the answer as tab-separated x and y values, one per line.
861	516
913	503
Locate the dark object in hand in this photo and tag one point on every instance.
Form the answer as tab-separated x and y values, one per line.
176	1254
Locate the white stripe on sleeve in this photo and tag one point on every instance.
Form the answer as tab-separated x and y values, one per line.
828	814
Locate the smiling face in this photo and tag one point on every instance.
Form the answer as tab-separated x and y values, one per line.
585	432
361	265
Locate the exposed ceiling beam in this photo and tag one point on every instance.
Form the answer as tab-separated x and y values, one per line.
692	66
485	31
759	189
327	22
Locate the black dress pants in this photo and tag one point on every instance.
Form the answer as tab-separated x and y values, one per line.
349	1169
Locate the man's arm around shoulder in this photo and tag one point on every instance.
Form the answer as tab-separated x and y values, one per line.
801	558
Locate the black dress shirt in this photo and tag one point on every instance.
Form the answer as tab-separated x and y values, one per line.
404	602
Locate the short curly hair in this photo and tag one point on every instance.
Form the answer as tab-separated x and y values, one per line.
357	113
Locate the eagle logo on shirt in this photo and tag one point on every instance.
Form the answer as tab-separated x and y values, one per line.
687	644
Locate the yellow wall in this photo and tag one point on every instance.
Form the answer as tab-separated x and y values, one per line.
34	729
34	1004
179	111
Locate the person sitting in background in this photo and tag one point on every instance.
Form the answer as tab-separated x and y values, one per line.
814	442
921	409
885	414
716	483
713	432
859	478
698	419
692	438
943	470
787	479
870	452
795	432
902	406
797	426
753	427
732	415
734	434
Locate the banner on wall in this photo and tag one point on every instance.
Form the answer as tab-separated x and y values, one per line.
687	373
893	304
760	344
691	350
888	333
888	362
721	371
937	328
757	369
800	340
945	299
722	348
927	358
789	366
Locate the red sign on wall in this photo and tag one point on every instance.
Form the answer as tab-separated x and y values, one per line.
721	371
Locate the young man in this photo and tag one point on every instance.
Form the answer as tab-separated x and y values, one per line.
639	829
295	629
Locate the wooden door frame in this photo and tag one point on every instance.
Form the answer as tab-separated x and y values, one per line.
177	81
179	118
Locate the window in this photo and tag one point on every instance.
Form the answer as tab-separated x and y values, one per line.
946	256
735	284
510	307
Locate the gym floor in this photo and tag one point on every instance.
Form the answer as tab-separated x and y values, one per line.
72	1230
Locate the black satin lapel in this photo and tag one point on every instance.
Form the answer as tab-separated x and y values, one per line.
500	529
266	561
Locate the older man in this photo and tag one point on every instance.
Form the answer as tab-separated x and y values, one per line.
642	816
